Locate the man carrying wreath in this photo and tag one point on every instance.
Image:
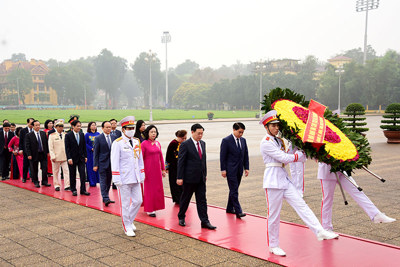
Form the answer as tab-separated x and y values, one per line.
278	186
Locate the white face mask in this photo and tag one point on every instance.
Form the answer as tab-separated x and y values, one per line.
130	133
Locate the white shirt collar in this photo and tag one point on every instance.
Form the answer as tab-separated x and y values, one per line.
234	137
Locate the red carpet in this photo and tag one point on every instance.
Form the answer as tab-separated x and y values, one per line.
248	235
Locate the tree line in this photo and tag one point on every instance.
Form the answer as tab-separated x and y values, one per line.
233	87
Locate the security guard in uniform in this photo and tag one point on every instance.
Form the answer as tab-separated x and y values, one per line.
278	186
127	173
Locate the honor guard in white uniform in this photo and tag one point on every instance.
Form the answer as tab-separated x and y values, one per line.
296	168
278	186
297	174
127	173
328	184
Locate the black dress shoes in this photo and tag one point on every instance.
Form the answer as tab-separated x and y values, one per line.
230	211
24	180
46	184
57	189
74	193
108	202
114	186
240	215
182	222
85	193
37	185
208	226
67	188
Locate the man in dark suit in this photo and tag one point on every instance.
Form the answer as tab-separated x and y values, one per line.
5	154
75	148
37	150
234	157
101	160
116	133
22	150
192	174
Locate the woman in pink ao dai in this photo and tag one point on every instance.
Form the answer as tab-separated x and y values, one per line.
154	170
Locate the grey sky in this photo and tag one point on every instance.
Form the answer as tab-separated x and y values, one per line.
212	33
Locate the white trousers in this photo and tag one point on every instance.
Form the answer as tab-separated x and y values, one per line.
297	173
130	196
328	190
274	204
57	174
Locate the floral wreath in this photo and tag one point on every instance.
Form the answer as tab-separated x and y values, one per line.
341	148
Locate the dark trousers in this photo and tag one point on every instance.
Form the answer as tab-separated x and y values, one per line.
176	190
233	199
5	163
105	182
82	174
26	166
199	189
16	173
34	165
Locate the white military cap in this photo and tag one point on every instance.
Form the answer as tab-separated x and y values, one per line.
59	122
128	121
270	117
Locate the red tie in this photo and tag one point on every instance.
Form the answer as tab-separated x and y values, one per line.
198	148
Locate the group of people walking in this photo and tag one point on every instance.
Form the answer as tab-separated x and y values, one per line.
133	160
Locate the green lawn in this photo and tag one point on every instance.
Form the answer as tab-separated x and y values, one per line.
20	116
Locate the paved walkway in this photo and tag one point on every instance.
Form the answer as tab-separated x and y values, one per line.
42	231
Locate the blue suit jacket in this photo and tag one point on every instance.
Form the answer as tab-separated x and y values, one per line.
117	134
101	152
232	159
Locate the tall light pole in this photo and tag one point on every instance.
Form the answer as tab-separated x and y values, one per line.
260	68
340	70
166	38
150	58
361	6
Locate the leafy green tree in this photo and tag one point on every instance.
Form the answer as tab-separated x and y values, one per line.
130	88
391	121
206	75
71	80
357	54
353	84
190	95
20	80
355	121
187	67
306	84
18	57
110	71
327	93
141	69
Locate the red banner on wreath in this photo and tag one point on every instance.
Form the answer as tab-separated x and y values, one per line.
315	127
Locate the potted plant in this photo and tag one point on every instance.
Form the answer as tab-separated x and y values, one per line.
354	121
391	125
210	115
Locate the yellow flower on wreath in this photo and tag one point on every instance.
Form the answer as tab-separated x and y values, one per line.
343	150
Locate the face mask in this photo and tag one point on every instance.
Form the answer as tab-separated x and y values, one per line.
130	133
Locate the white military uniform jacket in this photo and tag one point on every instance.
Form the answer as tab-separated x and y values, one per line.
127	161
57	147
275	175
